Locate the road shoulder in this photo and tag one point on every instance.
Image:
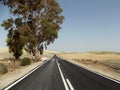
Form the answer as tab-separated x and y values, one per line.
10	77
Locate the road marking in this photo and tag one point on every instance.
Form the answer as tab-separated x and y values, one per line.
70	85
106	77
7	88
65	84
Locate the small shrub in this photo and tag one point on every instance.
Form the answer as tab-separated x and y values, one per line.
3	68
25	61
95	61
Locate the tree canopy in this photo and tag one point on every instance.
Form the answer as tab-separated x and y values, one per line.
36	24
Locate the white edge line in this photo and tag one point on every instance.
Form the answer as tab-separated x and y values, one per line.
25	76
65	84
70	85
107	77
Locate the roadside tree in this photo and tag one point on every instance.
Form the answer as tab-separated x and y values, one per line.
35	25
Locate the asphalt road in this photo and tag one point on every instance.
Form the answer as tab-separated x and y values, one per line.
58	74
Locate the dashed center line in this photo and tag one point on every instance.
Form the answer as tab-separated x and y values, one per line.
66	84
71	87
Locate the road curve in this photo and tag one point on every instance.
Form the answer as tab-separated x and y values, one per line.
59	74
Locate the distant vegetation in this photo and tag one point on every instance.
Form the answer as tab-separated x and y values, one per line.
3	68
104	52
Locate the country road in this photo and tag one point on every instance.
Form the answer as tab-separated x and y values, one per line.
59	74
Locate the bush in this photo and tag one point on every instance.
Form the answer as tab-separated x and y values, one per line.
3	68
25	61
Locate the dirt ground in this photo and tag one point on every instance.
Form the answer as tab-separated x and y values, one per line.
107	64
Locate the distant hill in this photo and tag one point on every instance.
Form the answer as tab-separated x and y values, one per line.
104	52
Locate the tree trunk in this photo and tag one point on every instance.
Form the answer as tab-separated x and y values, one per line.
37	55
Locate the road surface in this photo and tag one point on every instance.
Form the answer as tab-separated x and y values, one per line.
59	74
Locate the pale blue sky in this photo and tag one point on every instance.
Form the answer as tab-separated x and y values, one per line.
89	25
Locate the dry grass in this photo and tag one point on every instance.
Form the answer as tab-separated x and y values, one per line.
4	54
110	60
92	56
5	57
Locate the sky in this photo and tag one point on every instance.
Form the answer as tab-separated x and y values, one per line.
89	25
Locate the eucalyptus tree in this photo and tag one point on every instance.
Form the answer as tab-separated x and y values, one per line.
17	35
40	22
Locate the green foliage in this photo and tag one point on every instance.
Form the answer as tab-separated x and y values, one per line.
7	23
18	22
18	53
15	44
3	68
15	40
25	61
